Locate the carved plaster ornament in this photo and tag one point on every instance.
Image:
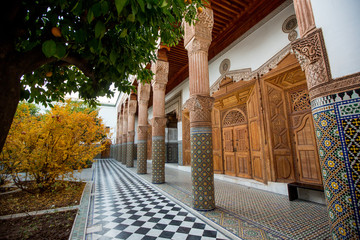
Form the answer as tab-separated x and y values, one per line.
142	132
311	54
144	92
161	71
132	107
202	28
200	108
289	27
131	135
158	126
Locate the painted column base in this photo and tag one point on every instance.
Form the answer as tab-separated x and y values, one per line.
130	155
202	170
337	128
158	159
141	157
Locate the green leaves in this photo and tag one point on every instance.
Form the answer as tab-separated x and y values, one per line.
123	33
99	29
52	49
49	48
120	4
142	5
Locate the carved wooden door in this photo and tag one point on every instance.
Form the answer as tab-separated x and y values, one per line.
306	151
242	155
216	140
229	156
257	162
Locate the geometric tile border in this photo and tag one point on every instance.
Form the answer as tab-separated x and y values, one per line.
78	230
337	127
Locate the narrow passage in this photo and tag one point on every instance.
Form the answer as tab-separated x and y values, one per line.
126	208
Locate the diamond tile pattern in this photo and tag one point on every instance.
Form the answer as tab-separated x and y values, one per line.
130	209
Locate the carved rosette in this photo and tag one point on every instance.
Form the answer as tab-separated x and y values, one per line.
200	110
142	132
311	54
124	138
158	126
161	71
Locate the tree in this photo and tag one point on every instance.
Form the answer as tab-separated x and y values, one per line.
49	48
46	148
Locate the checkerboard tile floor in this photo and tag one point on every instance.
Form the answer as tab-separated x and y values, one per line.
126	208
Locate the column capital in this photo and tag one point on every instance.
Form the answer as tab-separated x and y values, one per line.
132	107
161	71
143	92
130	134
200	110
142	132
200	31
158	126
311	54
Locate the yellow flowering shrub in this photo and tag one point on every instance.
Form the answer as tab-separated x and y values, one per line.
42	149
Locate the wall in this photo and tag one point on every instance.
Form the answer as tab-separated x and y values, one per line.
109	114
339	21
257	48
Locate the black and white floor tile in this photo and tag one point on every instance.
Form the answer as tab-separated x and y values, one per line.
127	208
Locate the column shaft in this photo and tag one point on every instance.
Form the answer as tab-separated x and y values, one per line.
131	131
161	70
124	137
197	42
143	98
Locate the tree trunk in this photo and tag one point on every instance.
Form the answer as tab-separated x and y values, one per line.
9	98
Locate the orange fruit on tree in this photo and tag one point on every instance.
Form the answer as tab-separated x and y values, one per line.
56	32
200	9
48	74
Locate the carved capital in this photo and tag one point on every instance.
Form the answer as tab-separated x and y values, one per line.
161	71
202	29
142	132
132	107
158	126
144	92
130	136
159	86
311	54
200	110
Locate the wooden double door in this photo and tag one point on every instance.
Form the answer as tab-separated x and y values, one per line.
237	159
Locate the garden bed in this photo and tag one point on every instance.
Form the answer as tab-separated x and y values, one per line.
46	226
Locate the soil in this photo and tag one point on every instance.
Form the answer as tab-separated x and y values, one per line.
48	226
20	202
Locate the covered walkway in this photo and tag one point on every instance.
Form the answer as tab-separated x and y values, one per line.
246	212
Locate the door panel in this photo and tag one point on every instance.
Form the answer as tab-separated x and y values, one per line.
229	156
242	154
306	151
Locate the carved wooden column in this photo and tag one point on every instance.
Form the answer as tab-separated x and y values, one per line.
197	41
143	100
161	71
131	130
125	130
335	108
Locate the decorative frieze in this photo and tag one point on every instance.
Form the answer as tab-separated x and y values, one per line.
142	132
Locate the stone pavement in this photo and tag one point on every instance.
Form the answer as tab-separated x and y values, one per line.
124	207
245	212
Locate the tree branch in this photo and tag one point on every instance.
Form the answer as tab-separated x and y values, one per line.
81	63
32	60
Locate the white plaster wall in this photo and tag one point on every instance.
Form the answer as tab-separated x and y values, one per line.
257	48
179	128
109	114
340	21
136	126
